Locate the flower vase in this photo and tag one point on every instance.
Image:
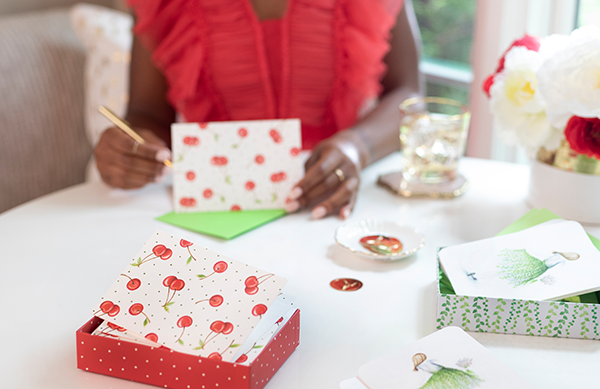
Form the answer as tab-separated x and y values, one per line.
569	194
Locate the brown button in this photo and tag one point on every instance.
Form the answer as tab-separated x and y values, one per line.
346	284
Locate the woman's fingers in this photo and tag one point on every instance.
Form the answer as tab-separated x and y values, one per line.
323	168
125	163
342	198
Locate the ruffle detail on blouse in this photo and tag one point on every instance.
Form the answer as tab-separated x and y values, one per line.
362	32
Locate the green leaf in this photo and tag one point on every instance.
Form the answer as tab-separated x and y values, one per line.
216	137
201	344
274	197
228	180
235	345
259	346
145	322
222	199
197	348
189	260
201	276
234	146
180	342
171	303
258	201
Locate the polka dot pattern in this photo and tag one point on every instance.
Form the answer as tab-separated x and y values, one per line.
164	368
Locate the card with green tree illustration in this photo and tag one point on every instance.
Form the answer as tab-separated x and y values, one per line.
550	261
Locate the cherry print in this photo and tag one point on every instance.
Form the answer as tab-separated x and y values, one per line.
243	358
173	284
133	283
274	134
218	267
249	185
114	311
152	337
136	309
252	283
190	175
216	356
276	178
259	310
242	132
203	125
251	290
207	193
278	322
159	251
221	163
236	208
294	151
259	159
227	328
214	301
115	327
183	322
168	280
187	202
106	306
185	244
191	141
217	326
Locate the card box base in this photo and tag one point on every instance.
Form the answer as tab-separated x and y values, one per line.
166	368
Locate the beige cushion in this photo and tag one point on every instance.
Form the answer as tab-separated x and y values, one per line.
43	146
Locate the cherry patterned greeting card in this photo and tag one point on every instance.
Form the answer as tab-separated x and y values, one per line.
237	165
189	298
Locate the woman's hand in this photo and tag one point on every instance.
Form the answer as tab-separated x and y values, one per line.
332	178
125	163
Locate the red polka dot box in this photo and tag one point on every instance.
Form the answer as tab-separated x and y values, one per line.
163	367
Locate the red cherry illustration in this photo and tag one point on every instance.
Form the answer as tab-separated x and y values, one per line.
166	255
177	285
159	249
251	290
207	193
219	161
243	358
106	306
216	356
278	177
259	310
187	202
183	322
214	301
217	326
279	321
184	243
203	125
294	151
220	266
169	280
259	159
152	337
236	208
249	185
274	134
114	311
133	283
116	327
191	141
136	309
242	132
251	281
227	328
190	175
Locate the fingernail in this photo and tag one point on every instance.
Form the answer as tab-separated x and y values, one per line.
296	193
319	212
345	213
292	206
162	155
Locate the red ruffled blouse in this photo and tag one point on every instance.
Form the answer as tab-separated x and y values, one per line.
321	63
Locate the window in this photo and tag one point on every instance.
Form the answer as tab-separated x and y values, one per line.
588	12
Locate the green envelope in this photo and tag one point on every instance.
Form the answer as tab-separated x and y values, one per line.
530	219
224	225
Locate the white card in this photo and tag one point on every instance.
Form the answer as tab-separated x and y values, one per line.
449	358
191	299
550	261
241	165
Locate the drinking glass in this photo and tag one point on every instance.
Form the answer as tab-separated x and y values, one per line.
433	134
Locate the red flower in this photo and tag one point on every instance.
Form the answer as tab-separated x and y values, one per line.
528	41
583	135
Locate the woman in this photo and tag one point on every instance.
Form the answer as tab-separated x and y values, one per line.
318	60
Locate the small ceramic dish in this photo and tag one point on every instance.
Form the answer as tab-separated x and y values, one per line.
349	237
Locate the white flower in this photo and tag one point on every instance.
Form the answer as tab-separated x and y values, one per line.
569	80
518	108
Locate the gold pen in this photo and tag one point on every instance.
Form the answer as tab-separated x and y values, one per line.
123	125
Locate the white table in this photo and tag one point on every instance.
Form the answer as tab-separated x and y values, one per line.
60	253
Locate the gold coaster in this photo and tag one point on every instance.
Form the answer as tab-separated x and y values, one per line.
395	183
